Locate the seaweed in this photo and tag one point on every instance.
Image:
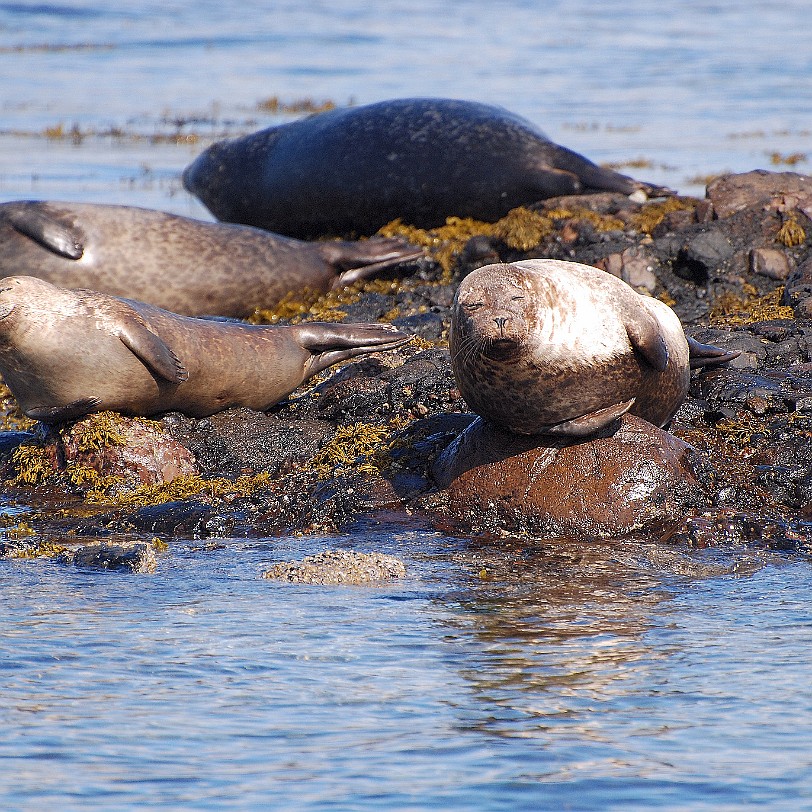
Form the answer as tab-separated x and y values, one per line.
730	310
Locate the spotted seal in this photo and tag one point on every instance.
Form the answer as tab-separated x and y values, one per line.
352	170
65	353
184	265
545	346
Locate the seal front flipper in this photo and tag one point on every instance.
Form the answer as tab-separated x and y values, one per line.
61	414
706	355
591	423
646	338
332	343
45	230
151	350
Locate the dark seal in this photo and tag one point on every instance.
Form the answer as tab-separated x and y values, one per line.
184	265
350	171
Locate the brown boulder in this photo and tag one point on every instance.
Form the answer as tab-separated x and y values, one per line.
784	190
637	478
136	451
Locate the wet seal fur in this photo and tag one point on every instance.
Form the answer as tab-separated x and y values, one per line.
184	265
552	347
66	353
352	170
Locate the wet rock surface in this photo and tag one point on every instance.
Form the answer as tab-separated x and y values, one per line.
363	440
628	479
334	567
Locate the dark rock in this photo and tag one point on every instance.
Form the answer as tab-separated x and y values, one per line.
186	517
798	287
10	440
127	556
429	326
241	441
372	307
703	255
423	385
728	527
776	390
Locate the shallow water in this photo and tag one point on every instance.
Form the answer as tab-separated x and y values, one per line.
610	678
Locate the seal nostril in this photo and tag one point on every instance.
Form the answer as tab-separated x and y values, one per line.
501	321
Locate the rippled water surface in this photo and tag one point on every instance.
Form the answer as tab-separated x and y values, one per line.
609	678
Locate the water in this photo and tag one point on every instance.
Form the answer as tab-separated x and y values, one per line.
613	678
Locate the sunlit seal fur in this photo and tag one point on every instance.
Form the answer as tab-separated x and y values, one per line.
65	353
552	347
352	170
184	265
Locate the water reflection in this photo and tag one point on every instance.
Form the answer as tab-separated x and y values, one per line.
574	648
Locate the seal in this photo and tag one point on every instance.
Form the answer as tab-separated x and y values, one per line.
65	353
184	265
350	171
546	346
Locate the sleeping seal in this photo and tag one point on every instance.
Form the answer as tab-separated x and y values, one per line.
65	353
350	171
184	265
552	347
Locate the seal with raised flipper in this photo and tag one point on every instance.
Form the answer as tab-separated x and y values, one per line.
185	265
65	353
350	171
545	346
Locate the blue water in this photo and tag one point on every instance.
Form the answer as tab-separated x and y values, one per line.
617	677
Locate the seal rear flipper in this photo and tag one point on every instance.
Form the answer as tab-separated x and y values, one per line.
322	336
332	343
152	351
61	414
45	230
596	178
706	355
646	338
364	259
590	423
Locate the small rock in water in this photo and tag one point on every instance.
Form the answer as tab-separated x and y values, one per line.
338	567
128	556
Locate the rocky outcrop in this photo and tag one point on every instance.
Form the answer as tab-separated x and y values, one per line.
391	436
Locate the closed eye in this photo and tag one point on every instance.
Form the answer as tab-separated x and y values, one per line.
516	298
473	305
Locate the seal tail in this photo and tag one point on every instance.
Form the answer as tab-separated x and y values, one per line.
364	259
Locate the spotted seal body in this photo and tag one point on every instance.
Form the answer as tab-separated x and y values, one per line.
184	265
352	170
552	347
65	353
